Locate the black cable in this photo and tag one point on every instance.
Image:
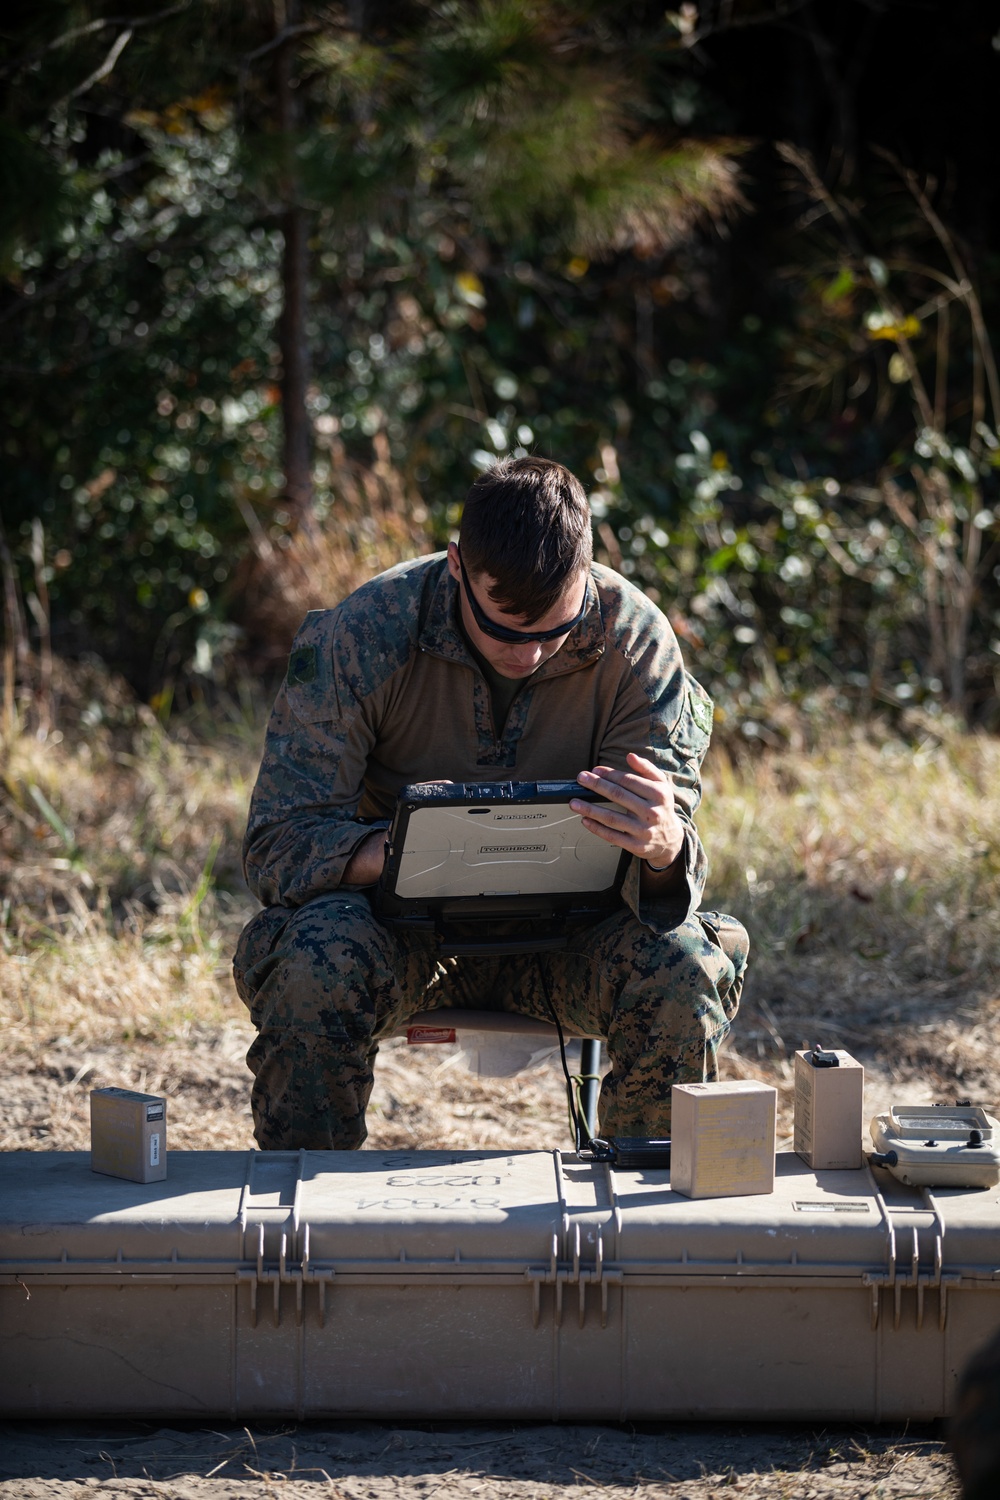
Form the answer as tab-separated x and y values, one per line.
574	1112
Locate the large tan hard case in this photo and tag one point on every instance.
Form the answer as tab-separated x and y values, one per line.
482	1284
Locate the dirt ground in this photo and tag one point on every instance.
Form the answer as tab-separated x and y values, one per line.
426	1098
452	1461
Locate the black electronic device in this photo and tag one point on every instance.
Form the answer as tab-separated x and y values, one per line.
629	1153
633	1153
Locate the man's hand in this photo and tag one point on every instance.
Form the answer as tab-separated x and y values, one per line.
643	819
365	865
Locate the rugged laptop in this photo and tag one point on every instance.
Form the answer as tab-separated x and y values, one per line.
496	866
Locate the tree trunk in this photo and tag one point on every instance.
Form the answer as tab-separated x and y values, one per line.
292	337
293	342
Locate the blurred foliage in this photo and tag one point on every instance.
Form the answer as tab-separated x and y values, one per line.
806	481
140	386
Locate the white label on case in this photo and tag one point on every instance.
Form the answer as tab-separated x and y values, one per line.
154	1149
832	1208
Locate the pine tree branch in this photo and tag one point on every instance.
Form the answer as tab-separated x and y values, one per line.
129	23
103	71
304	28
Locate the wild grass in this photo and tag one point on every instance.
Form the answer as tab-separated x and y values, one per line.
120	885
867	870
910	834
868	873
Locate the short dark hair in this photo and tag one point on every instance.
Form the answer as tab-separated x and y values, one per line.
526	523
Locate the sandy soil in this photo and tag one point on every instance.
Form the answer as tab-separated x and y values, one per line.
424	1097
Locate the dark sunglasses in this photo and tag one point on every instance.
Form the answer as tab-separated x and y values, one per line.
504	632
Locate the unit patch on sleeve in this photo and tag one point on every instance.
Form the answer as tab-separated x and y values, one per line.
702	712
302	665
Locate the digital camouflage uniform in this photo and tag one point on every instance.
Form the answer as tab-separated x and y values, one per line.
383	691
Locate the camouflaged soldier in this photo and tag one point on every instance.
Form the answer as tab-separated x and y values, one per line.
511	657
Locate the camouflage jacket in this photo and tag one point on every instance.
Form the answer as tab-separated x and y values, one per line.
383	690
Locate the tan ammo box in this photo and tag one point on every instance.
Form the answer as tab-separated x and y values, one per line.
722	1138
829	1110
128	1135
483	1285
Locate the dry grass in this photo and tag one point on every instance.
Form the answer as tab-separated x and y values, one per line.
868	873
380	522
120	901
452	1461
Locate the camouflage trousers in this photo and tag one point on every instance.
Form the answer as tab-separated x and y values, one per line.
325	981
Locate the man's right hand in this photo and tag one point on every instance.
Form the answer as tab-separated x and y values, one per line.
365	865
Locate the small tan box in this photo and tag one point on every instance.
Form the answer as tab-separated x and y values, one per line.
829	1110
128	1135
722	1138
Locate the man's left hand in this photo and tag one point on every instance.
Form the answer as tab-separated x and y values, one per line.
643	819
